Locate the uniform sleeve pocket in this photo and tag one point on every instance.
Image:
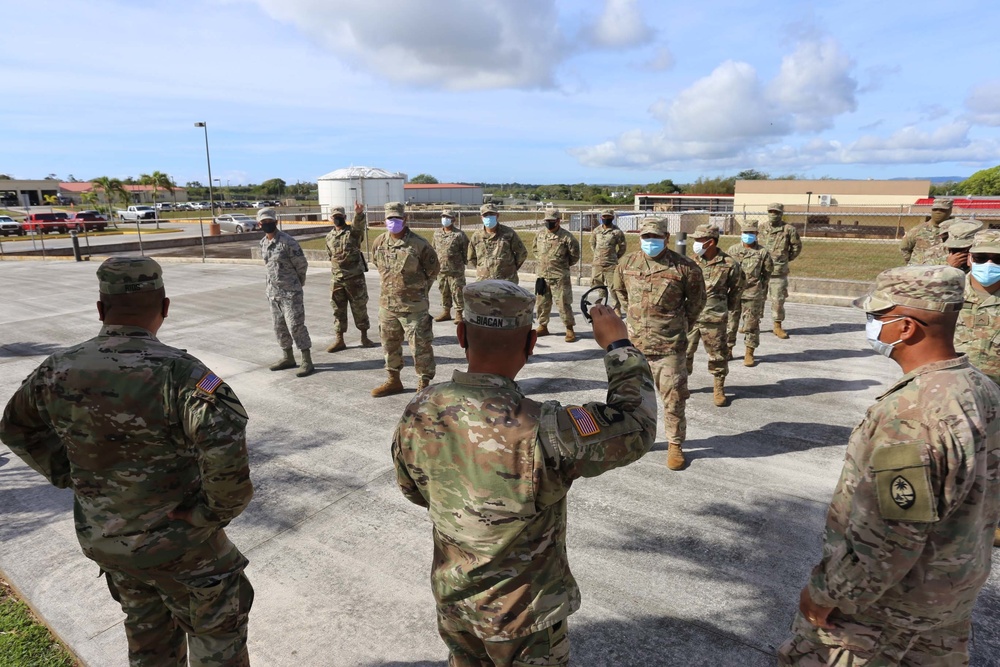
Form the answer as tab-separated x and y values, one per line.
903	483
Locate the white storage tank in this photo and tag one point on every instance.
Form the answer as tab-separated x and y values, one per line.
371	186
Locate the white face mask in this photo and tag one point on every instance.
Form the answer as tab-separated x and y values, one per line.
446	222
699	248
874	329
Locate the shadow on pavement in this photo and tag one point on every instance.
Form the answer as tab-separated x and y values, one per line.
29	349
822	354
792	387
542	386
769	440
832	328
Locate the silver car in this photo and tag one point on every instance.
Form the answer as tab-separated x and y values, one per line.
236	223
10	226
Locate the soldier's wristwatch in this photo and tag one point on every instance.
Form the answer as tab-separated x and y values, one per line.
621	342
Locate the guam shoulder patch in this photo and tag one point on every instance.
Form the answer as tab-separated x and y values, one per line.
585	423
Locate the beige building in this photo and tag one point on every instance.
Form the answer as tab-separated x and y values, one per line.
796	195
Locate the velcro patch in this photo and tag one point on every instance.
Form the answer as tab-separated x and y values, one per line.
209	383
585	423
903	483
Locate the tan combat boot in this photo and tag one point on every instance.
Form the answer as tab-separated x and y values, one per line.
391	386
729	353
675	457
288	361
570	336
422	383
542	330
690	364
719	395
444	316
306	367
459	316
338	344
778	331
748	359
996	537
365	340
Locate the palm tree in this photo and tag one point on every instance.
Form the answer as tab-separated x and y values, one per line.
89	198
111	187
158	180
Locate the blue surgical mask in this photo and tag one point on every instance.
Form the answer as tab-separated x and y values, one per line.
747	238
652	247
446	222
489	221
394	225
874	329
986	274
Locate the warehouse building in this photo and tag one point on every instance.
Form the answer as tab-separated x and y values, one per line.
443	193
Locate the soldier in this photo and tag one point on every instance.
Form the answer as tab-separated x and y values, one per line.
663	293
555	251
978	330
451	246
286	275
782	241
609	245
347	266
909	529
922	244
959	237
723	284
757	267
408	265
493	468
496	250
153	445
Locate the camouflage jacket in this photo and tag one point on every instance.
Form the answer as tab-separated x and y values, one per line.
757	267
555	252
977	333
498	255
343	246
285	265
663	298
783	242
407	266
608	244
923	245
493	469
909	533
723	285
451	248
136	428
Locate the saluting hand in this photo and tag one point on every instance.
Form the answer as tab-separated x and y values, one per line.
359	207
608	327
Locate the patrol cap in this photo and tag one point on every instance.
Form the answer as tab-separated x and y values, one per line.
986	241
775	206
338	210
552	214
498	304
266	214
608	213
486	209
395	209
938	288
705	231
961	233
942	204
749	225
127	275
447	213
654	225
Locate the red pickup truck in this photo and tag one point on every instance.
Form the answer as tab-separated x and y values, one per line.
42	223
91	221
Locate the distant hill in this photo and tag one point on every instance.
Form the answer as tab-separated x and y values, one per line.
932	179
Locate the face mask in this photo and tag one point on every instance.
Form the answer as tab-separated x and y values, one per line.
652	247
607	221
551	224
446	222
749	239
874	329
394	225
774	217
699	248
340	222
269	227
986	274
489	221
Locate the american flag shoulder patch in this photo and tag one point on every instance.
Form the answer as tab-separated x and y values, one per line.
585	422
209	383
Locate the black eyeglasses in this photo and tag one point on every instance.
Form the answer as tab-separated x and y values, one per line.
872	317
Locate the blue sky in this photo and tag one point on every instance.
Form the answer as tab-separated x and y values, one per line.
536	91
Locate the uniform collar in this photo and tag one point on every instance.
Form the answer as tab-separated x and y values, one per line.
961	361
484	380
126	330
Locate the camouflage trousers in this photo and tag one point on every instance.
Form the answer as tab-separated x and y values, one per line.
851	643
417	328
542	648
713	335
752	310
604	275
171	618
561	290
353	291
777	289
670	376
451	290
288	313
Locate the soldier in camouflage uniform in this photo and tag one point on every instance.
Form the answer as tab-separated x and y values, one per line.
493	468
408	266
451	246
286	267
922	244
347	266
555	251
958	239
496	250
723	285
663	293
782	241
978	330
757	267
609	245
909	529
153	445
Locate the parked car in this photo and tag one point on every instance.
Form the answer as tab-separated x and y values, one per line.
164	206
91	221
136	213
10	227
236	223
46	223
200	206
183	206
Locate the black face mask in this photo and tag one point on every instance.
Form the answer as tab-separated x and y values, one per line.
269	227
339	222
607	221
551	224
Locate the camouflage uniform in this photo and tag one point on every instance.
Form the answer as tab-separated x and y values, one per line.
493	468
958	236
286	274
407	266
609	245
922	244
451	246
783	242
723	284
555	251
139	429
663	298
757	267
909	530
496	255
347	284
978	330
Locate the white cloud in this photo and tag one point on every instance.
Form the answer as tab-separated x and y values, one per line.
661	61
815	84
983	104
620	25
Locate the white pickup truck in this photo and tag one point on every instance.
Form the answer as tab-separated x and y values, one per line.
134	213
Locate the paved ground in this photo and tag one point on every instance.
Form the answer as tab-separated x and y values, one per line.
700	567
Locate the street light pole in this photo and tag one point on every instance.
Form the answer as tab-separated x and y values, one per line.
211	197
809	196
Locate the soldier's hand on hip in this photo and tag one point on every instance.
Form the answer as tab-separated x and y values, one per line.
608	327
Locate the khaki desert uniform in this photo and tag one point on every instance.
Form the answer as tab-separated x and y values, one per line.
347	284
609	245
555	252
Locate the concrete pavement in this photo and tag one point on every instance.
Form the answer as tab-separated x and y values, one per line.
699	567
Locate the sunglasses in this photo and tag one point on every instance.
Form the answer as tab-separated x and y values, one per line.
982	258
